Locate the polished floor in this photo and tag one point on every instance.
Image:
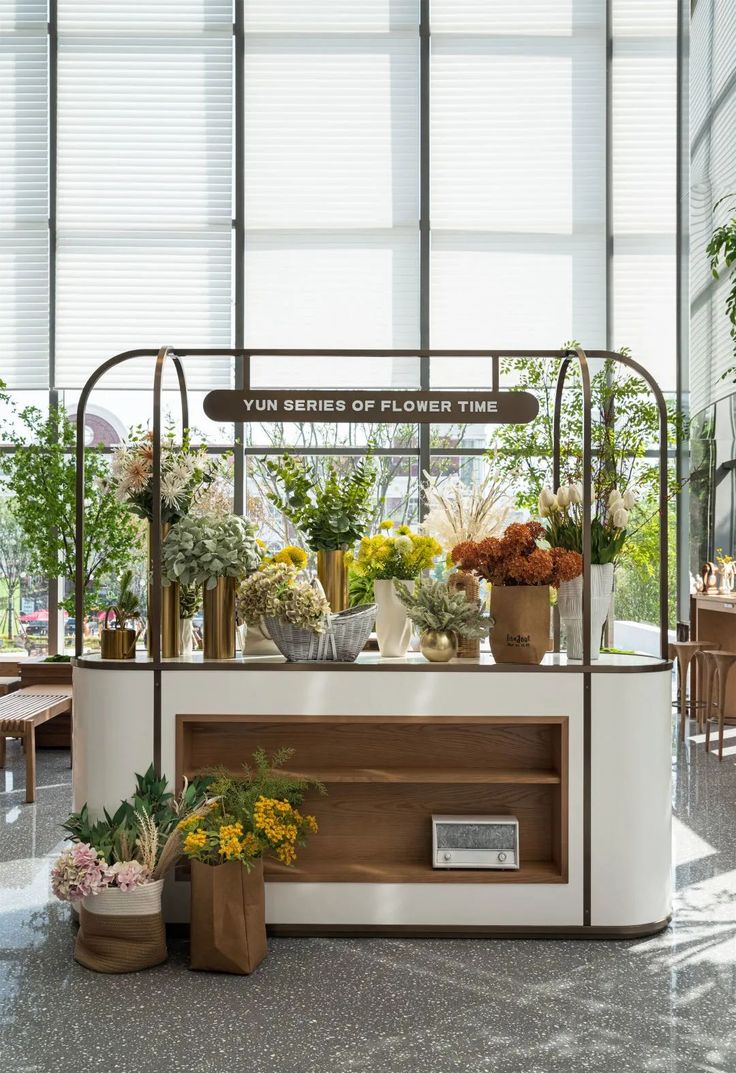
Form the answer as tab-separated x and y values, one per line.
389	1006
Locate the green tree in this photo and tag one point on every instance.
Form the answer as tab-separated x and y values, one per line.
40	475
625	428
15	561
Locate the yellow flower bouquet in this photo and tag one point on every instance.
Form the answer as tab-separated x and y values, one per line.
394	552
274	827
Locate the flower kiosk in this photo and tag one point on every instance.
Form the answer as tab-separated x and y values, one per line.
551	775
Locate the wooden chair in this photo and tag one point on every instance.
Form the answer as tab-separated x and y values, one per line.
723	662
21	712
684	652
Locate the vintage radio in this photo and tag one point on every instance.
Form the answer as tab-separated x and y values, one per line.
475	842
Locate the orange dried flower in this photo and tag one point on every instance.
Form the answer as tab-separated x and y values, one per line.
516	558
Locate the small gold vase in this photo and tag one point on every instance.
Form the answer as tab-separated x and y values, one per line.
117	644
333	576
438	646
219	619
170	635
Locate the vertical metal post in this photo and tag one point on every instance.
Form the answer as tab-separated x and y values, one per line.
55	643
239	273
682	277
424	235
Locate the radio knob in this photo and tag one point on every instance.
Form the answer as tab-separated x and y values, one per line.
502	856
447	856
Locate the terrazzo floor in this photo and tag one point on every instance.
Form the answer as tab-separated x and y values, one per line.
389	1006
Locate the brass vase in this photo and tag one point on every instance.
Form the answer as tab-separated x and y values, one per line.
170	634
117	644
438	646
333	576
219	619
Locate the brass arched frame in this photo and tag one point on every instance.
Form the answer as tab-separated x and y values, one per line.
243	355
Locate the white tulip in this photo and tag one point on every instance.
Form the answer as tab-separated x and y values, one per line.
629	498
576	493
563	496
547	502
614	498
620	518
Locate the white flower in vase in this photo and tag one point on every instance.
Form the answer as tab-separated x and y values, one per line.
620	518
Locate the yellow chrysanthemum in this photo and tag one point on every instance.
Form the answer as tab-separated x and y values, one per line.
292	556
194	841
386	524
403	530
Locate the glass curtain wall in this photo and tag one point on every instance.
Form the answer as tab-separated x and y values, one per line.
391	174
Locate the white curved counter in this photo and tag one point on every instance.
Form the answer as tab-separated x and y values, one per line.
581	755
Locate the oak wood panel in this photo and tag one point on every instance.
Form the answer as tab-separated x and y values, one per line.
387	776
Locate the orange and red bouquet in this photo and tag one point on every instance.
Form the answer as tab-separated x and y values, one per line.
521	556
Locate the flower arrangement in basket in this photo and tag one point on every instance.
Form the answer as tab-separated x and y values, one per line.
442	618
520	565
297	616
256	814
394	554
115	869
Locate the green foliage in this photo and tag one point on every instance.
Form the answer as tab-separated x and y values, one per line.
115	835
15	562
40	475
360	589
433	606
190	599
332	512
200	549
125	605
58	658
266	777
722	248
566	531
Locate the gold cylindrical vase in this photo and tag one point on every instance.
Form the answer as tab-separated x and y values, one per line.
170	634
219	619
461	581
333	576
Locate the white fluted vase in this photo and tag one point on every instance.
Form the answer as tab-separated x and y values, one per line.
393	625
570	605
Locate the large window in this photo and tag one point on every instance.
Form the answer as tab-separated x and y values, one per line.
398	174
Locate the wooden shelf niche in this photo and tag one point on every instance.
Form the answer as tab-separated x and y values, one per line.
387	776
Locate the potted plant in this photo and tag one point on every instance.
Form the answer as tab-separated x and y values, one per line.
563	514
188	476
118	641
114	871
255	639
394	554
442	617
213	552
256	814
456	512
331	510
521	566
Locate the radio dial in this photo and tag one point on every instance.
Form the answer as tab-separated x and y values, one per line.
448	856
502	856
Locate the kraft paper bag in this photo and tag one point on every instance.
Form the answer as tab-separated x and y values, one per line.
521	630
228	922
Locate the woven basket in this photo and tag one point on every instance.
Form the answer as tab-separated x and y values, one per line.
461	581
343	640
122	931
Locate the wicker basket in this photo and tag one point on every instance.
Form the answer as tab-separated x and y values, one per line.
460	581
343	640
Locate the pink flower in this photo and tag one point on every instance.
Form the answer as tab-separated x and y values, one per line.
127	875
79	872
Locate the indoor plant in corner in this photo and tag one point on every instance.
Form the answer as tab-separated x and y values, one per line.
331	510
215	552
563	513
255	814
394	554
521	566
442	618
114	872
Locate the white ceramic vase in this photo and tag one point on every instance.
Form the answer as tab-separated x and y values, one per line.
570	604
393	625
186	634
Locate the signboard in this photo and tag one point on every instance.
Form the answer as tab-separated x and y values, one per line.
423	407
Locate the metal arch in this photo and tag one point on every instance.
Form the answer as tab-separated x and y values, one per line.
111	363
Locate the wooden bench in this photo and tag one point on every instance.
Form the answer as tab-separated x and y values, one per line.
21	712
8	684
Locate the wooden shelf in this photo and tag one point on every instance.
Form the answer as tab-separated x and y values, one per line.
427	776
410	872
